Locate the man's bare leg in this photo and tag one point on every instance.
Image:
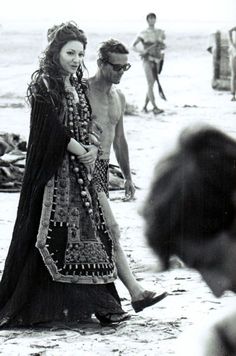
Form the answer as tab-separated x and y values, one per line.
136	291
126	276
140	297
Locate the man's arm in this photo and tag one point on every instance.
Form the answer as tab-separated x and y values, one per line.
122	152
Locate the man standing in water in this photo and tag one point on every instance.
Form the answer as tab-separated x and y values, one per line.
152	40
108	105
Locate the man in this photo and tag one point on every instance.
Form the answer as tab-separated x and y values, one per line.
152	40
232	61
108	105
191	212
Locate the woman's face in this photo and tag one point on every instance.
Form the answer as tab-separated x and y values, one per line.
151	21
71	56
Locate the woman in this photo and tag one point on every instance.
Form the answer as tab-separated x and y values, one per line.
152	40
60	265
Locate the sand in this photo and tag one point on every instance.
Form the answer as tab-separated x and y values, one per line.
155	331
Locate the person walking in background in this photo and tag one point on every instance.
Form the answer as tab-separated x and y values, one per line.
60	265
232	61
190	212
152	53
108	105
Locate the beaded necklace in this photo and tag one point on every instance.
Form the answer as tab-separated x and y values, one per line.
79	119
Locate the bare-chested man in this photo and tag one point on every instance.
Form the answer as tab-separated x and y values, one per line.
108	104
232	61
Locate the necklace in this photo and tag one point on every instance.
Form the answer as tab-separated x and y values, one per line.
71	89
78	121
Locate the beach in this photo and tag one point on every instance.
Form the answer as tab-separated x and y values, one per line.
186	80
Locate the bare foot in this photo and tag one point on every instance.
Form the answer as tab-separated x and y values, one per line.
157	111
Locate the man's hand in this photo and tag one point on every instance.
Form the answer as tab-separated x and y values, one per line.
129	190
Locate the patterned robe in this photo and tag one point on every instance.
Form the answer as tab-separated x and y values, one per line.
54	215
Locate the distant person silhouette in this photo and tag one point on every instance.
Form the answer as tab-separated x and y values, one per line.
152	54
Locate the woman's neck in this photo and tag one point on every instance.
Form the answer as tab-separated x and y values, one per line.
69	87
66	80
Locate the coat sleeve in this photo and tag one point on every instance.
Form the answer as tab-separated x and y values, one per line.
48	141
47	145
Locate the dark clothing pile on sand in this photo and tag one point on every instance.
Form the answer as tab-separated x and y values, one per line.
12	162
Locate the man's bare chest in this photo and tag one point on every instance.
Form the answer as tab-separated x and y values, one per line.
106	108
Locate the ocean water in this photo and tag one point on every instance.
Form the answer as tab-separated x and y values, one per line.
187	63
21	47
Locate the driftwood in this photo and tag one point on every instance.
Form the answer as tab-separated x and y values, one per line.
219	47
12	165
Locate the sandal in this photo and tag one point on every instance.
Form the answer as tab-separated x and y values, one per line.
112	319
149	298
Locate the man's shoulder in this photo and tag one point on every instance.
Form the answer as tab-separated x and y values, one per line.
121	96
90	82
120	93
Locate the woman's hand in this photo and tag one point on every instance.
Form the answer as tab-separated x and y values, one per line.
90	169
90	156
94	140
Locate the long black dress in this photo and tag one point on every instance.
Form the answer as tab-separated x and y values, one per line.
57	280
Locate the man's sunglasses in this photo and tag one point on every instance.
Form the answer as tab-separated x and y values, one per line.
118	67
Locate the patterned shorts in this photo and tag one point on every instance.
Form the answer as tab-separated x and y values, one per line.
101	176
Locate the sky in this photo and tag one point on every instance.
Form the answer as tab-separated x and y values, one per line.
112	11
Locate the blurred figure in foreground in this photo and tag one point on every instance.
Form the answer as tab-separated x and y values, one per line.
232	61
152	54
190	212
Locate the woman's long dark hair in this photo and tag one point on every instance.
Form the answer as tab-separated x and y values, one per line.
49	65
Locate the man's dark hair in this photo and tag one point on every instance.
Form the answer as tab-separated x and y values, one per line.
150	15
111	46
191	197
